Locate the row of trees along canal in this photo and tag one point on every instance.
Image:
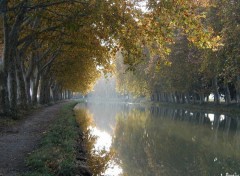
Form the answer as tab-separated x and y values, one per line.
187	72
52	48
57	46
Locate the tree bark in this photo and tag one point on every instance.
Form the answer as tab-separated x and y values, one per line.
183	98
187	98
22	96
227	95
28	87
35	89
44	90
215	89
177	98
56	96
201	96
194	98
237	86
6	47
13	87
11	36
68	94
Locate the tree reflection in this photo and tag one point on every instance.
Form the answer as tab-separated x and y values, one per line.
165	145
97	160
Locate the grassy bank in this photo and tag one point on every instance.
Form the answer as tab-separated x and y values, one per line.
56	153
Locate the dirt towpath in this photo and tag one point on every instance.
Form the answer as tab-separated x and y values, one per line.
23	138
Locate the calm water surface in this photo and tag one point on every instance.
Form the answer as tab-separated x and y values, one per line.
154	141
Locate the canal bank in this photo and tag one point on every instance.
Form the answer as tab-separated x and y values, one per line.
68	146
61	150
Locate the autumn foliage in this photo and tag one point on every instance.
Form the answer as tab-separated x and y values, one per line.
53	48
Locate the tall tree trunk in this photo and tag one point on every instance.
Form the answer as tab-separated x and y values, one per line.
187	98
13	88
60	95
22	96
13	41
28	88
152	97
183	98
45	87
194	95
169	97
207	98
65	94
48	92
237	86
177	98
13	78
35	89
68	94
166	97
55	93
6	48
201	96
44	90
173	98
227	94
158	96
11	36
216	93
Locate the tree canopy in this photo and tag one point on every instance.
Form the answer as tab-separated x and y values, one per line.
186	51
175	48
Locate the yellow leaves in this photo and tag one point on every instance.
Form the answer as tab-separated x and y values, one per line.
167	63
166	17
82	62
205	40
79	73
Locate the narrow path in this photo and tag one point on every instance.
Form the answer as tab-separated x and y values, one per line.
15	144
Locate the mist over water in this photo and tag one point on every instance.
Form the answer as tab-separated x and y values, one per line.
104	103
105	91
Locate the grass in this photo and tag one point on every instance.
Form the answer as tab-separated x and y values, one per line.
56	153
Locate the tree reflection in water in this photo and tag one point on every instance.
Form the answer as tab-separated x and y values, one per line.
173	142
97	158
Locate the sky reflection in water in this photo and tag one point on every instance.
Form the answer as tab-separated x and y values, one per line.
104	142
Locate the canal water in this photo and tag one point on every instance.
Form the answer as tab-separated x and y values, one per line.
155	141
